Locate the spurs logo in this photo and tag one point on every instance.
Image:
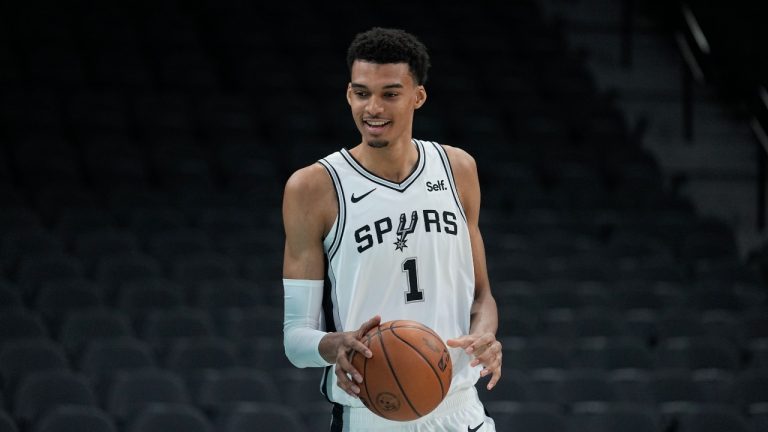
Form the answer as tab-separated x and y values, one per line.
402	231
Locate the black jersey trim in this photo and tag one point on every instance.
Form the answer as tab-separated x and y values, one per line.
451	179
400	187
330	321
341	207
337	418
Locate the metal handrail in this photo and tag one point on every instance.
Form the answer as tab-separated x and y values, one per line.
692	55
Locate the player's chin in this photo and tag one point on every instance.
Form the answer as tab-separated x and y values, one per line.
377	143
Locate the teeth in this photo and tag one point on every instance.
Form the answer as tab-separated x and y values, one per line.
377	123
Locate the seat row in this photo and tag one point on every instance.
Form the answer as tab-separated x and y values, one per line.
162	417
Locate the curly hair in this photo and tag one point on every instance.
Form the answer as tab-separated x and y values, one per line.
382	45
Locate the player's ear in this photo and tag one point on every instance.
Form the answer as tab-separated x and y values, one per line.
421	96
349	93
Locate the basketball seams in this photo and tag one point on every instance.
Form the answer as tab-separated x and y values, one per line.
394	375
426	360
371	402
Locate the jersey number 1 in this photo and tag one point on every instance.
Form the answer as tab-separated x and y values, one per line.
413	294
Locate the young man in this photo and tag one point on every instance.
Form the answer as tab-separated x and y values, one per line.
395	219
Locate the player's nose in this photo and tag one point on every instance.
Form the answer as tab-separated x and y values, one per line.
374	106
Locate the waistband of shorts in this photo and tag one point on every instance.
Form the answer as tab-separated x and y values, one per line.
454	401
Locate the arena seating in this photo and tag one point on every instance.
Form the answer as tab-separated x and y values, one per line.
143	151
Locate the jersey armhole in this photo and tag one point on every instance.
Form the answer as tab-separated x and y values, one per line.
332	240
451	179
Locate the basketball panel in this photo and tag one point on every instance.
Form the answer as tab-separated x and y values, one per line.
383	393
431	346
415	375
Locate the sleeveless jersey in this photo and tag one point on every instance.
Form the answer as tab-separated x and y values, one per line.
399	250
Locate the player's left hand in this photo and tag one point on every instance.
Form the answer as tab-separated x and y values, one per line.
486	350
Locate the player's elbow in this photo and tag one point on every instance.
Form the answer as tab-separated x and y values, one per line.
301	347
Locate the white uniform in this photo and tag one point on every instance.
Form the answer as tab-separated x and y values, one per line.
402	251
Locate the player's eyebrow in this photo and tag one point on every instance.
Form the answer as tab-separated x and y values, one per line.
388	86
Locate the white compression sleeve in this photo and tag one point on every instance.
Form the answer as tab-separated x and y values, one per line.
301	322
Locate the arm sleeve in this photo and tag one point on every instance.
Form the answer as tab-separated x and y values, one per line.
301	322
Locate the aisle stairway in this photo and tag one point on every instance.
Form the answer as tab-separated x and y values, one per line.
717	169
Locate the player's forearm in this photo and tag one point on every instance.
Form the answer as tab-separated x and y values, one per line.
301	322
484	316
328	346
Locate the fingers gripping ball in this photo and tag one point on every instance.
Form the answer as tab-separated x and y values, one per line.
409	373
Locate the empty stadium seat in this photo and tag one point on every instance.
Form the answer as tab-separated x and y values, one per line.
632	385
139	299
33	271
73	221
262	352
247	323
534	417
194	358
115	270
612	416
75	418
22	357
697	353
56	299
203	266
221	390
299	385
535	353
253	416
580	386
80	328
6	423
10	297
169	245
516	388
162	328
612	353
132	390
222	295
41	391
715	385
92	245
751	388
670	387
103	359
21	324
714	419
147	218
162	417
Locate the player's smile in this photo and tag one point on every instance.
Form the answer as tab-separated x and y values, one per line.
376	126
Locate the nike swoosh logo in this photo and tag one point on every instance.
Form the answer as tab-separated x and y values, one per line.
356	199
470	429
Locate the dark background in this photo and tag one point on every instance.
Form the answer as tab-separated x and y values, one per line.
143	151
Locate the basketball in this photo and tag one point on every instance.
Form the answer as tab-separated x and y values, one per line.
410	371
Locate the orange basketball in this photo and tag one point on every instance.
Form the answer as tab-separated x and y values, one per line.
410	371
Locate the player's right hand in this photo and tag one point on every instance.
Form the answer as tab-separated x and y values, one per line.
347	342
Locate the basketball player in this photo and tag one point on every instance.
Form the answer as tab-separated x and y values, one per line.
395	219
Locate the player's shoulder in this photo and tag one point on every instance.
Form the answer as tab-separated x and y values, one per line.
309	182
461	161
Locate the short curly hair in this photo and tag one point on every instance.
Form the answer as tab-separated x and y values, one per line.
384	45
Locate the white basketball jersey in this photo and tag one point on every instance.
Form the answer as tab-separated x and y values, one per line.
399	250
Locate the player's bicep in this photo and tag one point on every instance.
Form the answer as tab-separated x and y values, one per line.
303	257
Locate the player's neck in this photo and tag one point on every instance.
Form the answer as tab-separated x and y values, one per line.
393	162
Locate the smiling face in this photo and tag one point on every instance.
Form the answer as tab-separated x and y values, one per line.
383	98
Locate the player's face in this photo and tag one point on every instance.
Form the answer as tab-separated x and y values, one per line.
383	98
